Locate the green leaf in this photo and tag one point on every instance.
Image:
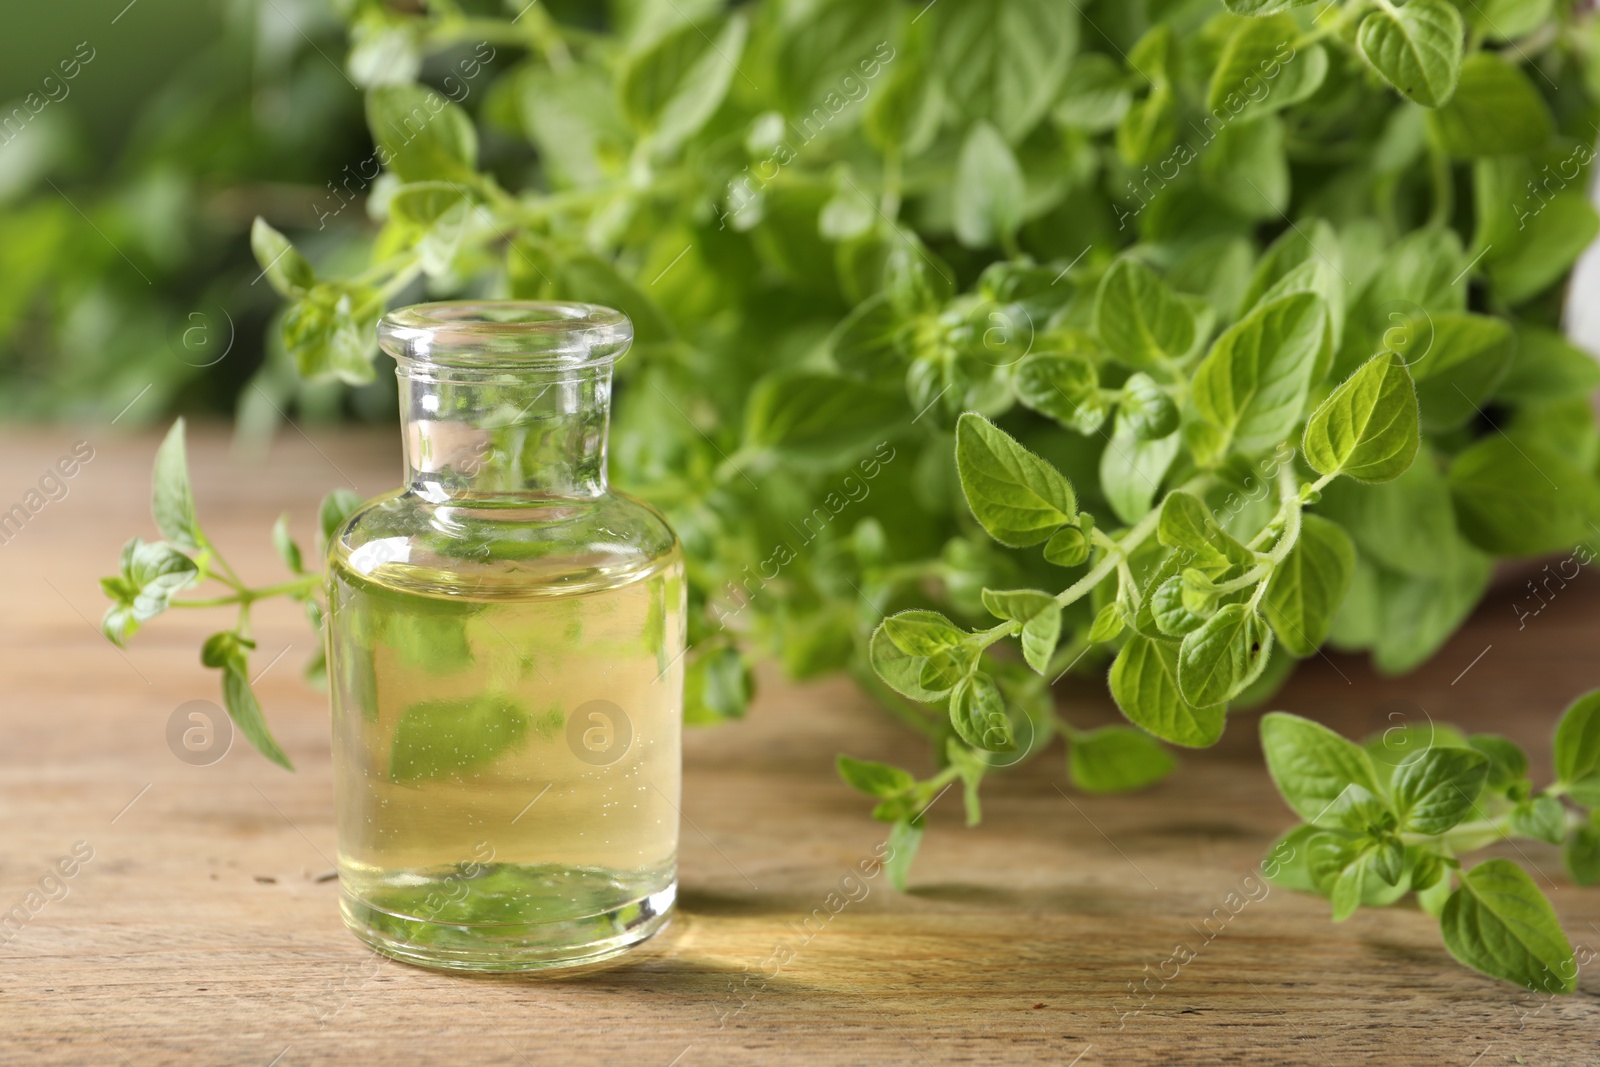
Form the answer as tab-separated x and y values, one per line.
1108	623
1307	257
1581	854
1064	387
1260	69
1188	525
286	270
1367	429
1541	818
1311	765
916	280
1146	408
1039	637
335	508
1507	762
421	136
1389	860
1547	367
1439	788
1496	111
287	550
1003	60
989	189
1417	48
1507	20
1577	749
1263	7
1499	923
1149	128
1417	615
1095	95
1116	759
866	343
875	779
1456	364
1521	499
245	711
1138	317
670	89
1131	471
1198	593
571	117
1172	616
1144	683
1543	252
903	114
1068	546
1041	618
1405	741
1224	655
820	419
901	670
152	573
1307	588
904	838
434	217
828	48
1399	524
1253	384
922	633
977	711
1247	168
444	738
1019	498
1351	885
172	501
226	648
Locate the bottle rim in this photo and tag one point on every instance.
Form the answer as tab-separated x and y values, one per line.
505	334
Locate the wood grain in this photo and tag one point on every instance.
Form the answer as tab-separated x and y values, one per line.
202	930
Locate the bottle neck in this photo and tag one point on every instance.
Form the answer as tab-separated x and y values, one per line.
481	435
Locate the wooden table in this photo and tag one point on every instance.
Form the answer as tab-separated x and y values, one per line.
205	929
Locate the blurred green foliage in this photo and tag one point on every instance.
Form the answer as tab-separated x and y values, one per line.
127	191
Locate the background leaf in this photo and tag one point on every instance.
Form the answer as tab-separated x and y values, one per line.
1417	48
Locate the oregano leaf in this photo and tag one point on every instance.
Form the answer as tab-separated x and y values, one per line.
1368	428
1019	498
1144	683
1499	923
1417	48
172	499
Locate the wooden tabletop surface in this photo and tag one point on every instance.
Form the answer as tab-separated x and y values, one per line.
204	927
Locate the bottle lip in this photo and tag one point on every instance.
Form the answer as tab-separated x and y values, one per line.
505	334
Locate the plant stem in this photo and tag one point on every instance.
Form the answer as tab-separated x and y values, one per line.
1444	190
246	596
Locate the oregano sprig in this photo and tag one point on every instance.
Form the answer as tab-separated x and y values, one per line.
1395	815
154	573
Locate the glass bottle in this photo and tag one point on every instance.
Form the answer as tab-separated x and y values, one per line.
505	657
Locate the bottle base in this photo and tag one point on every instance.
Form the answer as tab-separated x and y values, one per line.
499	948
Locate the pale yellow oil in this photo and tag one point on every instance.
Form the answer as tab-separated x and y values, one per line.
507	766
